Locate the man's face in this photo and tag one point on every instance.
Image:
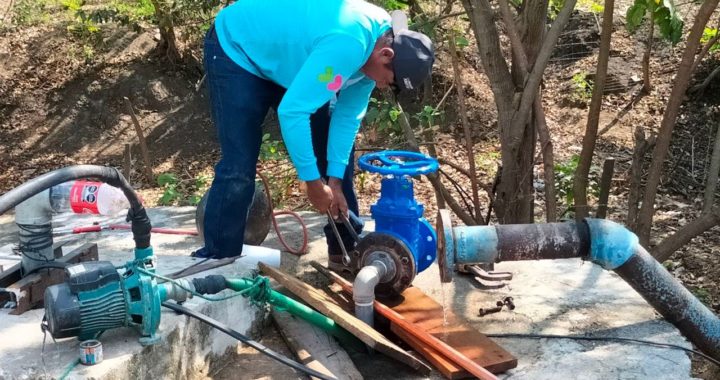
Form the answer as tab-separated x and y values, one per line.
379	67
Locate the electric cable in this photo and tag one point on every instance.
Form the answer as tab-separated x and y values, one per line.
250	342
608	338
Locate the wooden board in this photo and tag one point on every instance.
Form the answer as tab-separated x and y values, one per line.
440	362
315	348
30	290
360	329
424	312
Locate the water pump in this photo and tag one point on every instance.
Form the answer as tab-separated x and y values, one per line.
96	297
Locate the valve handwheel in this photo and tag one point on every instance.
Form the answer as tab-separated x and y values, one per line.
399	163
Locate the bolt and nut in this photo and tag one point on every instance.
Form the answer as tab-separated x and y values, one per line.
507	301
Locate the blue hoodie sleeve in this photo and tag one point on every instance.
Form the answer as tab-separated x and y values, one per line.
332	61
349	111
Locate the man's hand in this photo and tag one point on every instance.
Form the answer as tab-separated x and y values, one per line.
339	204
320	195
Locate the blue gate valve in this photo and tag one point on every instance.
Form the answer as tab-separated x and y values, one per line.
399	222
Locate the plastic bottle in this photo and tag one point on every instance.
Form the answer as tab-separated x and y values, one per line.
88	197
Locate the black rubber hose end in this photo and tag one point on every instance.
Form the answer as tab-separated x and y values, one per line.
212	284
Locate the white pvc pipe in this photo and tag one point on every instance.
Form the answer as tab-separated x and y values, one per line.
364	291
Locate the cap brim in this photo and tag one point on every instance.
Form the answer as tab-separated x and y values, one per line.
399	21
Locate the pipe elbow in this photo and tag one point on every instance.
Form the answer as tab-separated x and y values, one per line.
365	282
611	244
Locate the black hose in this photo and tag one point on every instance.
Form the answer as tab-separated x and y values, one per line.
137	214
252	343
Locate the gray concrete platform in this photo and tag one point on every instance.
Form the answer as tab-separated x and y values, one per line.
187	347
561	297
552	297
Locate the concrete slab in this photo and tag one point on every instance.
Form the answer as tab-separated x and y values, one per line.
563	297
552	297
187	347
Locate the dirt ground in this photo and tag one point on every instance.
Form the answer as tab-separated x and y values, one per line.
59	107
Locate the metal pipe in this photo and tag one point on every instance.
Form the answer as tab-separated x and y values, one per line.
514	242
603	242
364	290
672	300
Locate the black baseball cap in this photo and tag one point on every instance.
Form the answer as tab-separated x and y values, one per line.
414	54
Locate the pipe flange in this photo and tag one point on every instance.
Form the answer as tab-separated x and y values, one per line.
396	256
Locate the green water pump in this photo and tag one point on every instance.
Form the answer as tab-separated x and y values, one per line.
97	297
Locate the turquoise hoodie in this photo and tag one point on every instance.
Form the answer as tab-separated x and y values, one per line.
314	49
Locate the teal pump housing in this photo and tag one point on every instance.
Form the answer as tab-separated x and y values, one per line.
96	297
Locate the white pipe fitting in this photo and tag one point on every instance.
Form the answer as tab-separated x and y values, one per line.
364	290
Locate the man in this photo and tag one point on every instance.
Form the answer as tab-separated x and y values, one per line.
316	62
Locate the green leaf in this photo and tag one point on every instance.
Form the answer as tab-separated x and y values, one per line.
394	113
635	15
194	199
167	179
461	41
266	137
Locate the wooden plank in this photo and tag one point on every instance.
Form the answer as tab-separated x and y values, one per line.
315	348
423	311
29	291
360	329
441	363
426	337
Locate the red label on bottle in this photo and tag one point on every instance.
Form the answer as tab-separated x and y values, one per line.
83	197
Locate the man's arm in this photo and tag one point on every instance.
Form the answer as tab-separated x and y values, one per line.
331	63
344	124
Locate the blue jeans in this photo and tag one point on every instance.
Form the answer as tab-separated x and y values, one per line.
239	102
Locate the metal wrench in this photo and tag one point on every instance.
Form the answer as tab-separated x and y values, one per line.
346	257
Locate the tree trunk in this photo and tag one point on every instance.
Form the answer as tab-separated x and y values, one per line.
515	198
712	179
167	44
647	87
546	147
636	169
580	182
680	85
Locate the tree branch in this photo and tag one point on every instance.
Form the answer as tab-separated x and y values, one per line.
533	80
580	182
712	180
433	177
546	147
705	50
680	85
466	129
674	242
491	55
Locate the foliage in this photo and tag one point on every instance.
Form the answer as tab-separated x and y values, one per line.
565	176
30	12
592	6
708	34
391	5
582	87
383	117
664	14
427	116
182	192
83	25
271	150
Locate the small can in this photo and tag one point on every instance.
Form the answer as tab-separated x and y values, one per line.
91	352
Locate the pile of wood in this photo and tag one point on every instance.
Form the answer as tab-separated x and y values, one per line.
444	340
